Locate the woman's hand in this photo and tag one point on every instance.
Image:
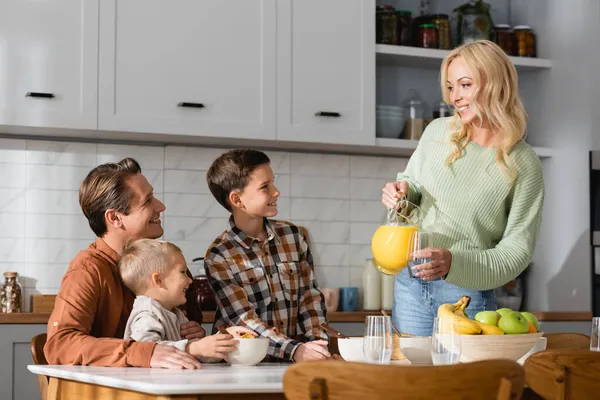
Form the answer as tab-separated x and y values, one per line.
438	267
392	192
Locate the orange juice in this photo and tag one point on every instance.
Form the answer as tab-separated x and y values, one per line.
390	246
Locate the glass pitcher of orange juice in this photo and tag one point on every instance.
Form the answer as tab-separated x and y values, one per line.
389	244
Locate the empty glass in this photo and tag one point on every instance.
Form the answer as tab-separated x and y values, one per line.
445	341
417	241
377	341
594	343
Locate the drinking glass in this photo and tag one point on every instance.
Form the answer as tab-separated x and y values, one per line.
594	342
417	241
377	341
445	341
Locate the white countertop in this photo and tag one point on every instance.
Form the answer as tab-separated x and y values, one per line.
211	378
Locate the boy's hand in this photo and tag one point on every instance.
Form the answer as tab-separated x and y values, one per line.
165	356
315	350
215	346
192	330
238	331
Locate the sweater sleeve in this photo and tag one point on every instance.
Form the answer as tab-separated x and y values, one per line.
146	327
70	324
492	268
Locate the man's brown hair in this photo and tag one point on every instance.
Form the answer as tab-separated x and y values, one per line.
104	188
231	171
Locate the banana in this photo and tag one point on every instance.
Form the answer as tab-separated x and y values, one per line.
466	326
486	329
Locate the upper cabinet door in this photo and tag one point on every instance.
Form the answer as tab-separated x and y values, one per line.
190	67
49	63
326	71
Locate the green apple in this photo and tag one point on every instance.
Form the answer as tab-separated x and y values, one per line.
488	317
504	311
513	323
531	318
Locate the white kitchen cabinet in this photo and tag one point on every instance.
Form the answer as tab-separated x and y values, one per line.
188	67
49	63
326	71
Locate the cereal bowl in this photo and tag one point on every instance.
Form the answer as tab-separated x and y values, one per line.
250	351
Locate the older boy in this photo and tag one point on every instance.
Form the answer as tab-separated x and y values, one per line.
260	269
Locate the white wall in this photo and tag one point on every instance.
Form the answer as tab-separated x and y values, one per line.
337	197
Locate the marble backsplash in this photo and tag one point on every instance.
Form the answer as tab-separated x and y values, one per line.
337	197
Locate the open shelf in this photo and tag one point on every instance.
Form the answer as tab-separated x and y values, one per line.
417	57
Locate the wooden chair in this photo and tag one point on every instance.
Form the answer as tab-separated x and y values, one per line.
37	352
564	374
567	340
339	380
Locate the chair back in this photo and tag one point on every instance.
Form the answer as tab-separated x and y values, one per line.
37	353
567	340
339	380
564	374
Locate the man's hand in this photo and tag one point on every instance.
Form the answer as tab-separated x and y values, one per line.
192	330
171	357
315	350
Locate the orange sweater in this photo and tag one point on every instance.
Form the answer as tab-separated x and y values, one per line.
91	310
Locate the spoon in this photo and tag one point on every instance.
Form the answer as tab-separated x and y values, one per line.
329	329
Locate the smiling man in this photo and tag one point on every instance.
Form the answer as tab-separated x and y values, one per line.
88	321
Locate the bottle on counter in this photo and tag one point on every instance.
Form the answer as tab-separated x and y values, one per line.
10	294
387	291
371	287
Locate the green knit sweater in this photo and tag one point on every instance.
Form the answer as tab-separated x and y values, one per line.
488	225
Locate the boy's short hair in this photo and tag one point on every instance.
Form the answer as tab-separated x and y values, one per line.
104	188
231	171
143	257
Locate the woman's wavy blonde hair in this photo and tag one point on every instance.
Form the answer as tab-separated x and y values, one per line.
497	100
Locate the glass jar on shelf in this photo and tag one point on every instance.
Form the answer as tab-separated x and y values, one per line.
428	36
404	29
525	39
474	21
442	23
389	26
441	109
504	37
415	116
10	294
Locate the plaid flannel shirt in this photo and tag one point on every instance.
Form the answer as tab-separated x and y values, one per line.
268	287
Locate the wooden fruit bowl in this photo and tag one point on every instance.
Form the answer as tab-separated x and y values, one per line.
489	347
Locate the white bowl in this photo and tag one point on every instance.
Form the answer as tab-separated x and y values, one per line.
249	351
389	127
351	349
417	349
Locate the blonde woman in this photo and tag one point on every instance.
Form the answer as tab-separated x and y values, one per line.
480	186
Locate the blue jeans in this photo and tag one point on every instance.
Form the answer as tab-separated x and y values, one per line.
416	302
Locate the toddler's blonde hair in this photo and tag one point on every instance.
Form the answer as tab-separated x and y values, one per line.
143	257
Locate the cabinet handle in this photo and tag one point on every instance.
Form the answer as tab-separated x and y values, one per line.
40	95
328	114
191	105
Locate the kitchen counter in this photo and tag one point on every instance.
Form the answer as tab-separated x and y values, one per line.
335	317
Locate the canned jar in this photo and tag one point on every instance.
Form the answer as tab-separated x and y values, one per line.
428	36
404	20
389	26
442	24
504	37
11	300
525	41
